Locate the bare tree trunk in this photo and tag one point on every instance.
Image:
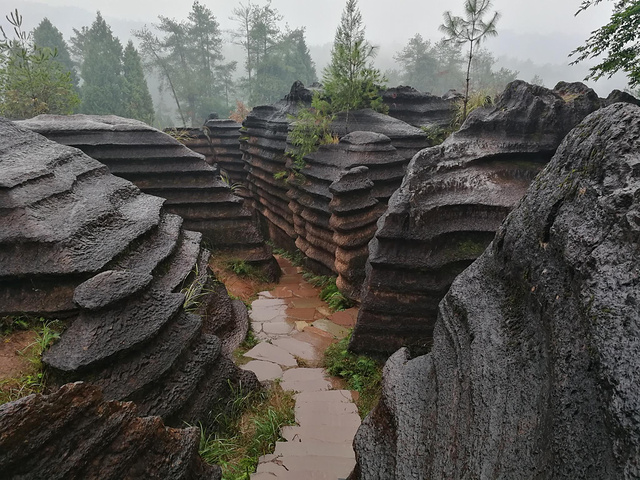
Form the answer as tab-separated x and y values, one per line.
466	91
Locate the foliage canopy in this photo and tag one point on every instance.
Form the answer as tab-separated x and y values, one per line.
618	42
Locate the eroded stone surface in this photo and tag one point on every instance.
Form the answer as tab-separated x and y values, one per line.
534	371
451	202
160	165
75	434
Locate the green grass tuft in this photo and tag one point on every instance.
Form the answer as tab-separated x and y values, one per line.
362	373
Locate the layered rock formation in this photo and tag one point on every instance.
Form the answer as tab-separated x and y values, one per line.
75	434
407	140
219	141
451	202
160	165
418	108
142	309
535	367
263	142
335	204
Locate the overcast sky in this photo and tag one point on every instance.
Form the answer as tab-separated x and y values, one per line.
389	20
544	31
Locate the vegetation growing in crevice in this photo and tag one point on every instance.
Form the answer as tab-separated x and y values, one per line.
362	373
33	378
249	430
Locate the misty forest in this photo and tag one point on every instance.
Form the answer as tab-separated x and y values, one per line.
227	254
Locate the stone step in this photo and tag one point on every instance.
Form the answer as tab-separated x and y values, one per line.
305	380
314	447
322	433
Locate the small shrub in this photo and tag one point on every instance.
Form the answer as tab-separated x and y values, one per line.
362	373
240	113
334	298
477	99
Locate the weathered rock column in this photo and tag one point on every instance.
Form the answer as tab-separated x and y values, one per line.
535	366
354	213
418	108
450	204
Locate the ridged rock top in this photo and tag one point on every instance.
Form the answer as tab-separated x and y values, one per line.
407	139
418	108
76	435
331	230
535	366
80	244
160	165
452	200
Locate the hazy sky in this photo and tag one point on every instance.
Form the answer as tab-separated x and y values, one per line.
543	31
386	21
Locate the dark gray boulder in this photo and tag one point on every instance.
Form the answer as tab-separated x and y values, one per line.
535	366
452	199
75	434
144	315
160	165
618	96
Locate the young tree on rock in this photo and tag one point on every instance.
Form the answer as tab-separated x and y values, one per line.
471	29
136	98
618	41
350	80
46	35
32	81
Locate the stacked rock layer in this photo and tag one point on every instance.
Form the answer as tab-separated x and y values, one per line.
141	307
450	204
74	434
336	204
419	109
219	141
160	165
535	366
263	142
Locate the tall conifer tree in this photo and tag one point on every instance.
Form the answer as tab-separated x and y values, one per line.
136	98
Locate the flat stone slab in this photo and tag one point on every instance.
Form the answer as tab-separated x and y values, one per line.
268	310
333	396
265	294
330	327
339	435
298	348
307	314
301	325
305	410
277	328
346	318
264	370
307	303
271	353
314	447
336	466
305	380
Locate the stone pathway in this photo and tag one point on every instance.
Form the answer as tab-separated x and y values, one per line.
295	328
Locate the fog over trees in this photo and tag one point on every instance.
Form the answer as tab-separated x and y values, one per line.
204	57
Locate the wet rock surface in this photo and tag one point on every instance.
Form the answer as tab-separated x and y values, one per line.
452	200
337	198
75	434
534	369
418	108
159	165
219	141
145	318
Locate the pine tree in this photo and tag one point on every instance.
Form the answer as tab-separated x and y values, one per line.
136	98
350	80
46	35
31	80
419	64
101	69
471	29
